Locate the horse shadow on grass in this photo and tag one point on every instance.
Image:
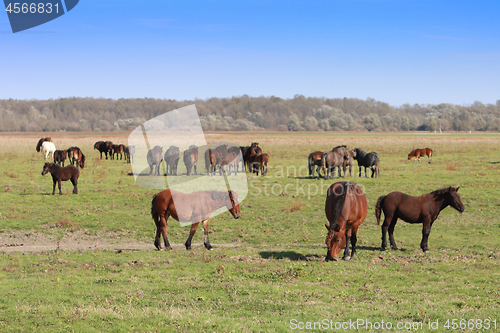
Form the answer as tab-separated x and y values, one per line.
295	256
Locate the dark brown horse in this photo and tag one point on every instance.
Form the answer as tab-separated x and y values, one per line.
345	209
424	209
60	156
103	147
258	163
75	156
42	140
194	208
191	159
333	159
230	160
171	158
117	150
213	158
252	150
349	162
59	174
155	157
367	160
417	153
314	160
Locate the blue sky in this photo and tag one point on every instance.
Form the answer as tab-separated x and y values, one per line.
395	51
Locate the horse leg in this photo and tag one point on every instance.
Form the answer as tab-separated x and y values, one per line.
161	229
191	234
354	240
205	232
59	185
391	233
195	172
388	221
426	230
75	184
347	254
54	186
359	167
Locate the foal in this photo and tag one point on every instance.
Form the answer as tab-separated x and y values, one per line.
59	174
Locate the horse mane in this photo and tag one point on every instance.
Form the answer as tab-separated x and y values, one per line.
441	191
341	146
339	204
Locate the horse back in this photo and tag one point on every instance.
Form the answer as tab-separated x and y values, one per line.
406	207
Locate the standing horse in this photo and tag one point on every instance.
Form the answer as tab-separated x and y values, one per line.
417	153
313	160
118	150
131	152
172	160
259	162
42	140
424	209
348	163
155	157
370	160
103	147
191	159
212	156
333	159
231	160
60	156
345	209
195	207
237	151
47	148
75	156
59	174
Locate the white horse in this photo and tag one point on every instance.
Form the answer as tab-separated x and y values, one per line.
47	148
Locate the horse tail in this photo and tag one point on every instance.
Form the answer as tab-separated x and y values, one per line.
377	162
154	211
378	208
310	164
323	164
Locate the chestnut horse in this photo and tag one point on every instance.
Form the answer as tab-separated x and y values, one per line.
420	152
345	209
194	207
75	155
424	209
60	173
313	160
155	157
42	140
191	159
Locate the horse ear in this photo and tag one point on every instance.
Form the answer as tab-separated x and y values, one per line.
457	188
327	227
336	227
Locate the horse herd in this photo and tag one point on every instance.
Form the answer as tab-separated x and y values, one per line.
342	158
222	158
345	206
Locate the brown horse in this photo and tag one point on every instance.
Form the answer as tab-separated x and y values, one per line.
59	174
237	151
420	152
314	160
231	160
258	162
191	159
345	209
155	157
60	156
103	147
195	207
171	159
212	158
75	155
42	140
424	209
333	159
349	162
252	150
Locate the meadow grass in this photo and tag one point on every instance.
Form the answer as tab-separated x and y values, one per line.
267	271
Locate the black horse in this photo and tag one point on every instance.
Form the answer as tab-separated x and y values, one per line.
367	160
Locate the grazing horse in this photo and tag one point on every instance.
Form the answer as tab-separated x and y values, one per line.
348	163
252	150
194	207
155	157
191	159
75	155
231	160
314	160
213	158
370	160
60	156
345	209
171	158
259	162
333	159
47	148
420	152
424	209
42	140
103	147
60	173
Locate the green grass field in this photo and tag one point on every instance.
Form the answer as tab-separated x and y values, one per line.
267	272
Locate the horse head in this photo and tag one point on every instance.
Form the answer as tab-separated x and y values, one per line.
454	199
234	207
46	169
335	242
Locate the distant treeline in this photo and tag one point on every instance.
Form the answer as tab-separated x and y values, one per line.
248	113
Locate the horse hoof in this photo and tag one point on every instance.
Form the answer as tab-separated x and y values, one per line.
427	251
347	258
